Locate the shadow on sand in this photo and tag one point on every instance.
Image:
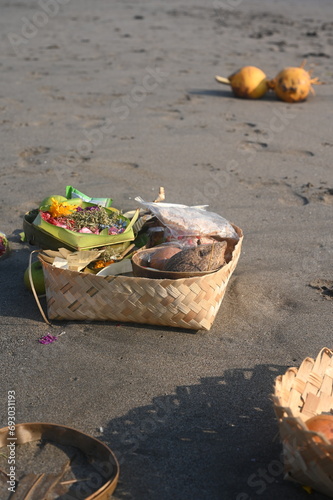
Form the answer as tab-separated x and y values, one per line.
227	92
214	440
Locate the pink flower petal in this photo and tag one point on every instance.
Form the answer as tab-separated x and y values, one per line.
47	339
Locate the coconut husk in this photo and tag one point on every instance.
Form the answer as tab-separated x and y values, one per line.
200	258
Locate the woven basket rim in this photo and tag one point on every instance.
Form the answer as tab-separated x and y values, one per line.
295	371
299	394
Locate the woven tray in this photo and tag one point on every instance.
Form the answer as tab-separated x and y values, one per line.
300	394
47	236
105	467
187	303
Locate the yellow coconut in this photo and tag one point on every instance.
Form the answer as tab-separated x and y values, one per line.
293	84
248	82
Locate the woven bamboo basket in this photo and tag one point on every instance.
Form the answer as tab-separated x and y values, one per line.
184	303
300	394
48	485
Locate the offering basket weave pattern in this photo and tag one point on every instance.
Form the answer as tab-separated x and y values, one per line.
184	303
300	394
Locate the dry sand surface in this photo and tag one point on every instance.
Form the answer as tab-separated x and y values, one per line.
118	98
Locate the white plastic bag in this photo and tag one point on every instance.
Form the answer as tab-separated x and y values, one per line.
185	221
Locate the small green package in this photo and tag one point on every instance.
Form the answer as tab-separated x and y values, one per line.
72	192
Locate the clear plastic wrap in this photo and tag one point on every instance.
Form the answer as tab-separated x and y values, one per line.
190	222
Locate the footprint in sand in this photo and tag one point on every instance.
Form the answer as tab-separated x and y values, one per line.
124	164
325	287
302	153
30	156
88	122
298	152
279	190
312	194
242	126
253	146
92	99
186	98
167	114
51	92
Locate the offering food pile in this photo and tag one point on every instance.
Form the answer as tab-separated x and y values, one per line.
191	239
158	236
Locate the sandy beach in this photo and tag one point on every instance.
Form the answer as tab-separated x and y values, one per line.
118	98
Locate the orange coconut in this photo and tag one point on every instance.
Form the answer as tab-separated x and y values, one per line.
293	84
248	82
323	424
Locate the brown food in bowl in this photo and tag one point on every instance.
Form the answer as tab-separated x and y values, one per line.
159	258
200	258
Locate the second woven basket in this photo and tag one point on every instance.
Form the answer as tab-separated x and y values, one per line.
300	394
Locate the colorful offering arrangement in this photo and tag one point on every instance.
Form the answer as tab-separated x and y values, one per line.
89	220
78	222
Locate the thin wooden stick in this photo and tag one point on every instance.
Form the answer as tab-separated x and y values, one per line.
161	195
72	481
34	290
125	252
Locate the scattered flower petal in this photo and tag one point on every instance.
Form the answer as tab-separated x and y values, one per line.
47	339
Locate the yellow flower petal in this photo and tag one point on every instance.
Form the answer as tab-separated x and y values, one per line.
59	209
308	489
